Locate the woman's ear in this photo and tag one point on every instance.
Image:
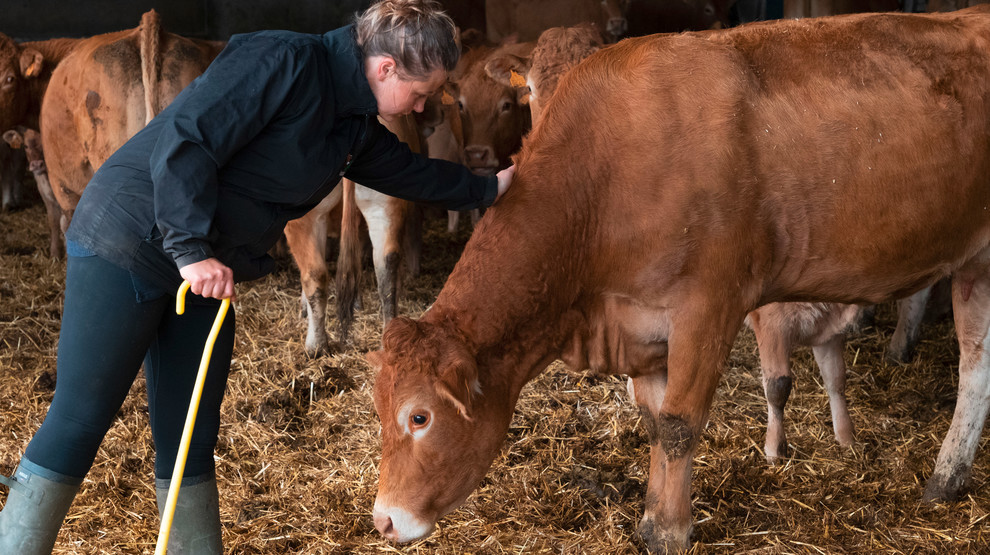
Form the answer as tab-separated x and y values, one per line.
385	68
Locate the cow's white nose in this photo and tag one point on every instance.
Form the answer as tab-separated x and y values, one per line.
399	525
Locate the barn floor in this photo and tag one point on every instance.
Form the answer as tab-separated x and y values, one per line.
297	459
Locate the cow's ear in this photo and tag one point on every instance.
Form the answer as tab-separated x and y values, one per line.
374	358
13	139
508	70
471	38
457	383
31	62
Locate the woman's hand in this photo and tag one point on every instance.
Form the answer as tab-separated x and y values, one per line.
209	278
504	180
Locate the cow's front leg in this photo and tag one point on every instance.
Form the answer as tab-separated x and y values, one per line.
971	309
648	392
698	348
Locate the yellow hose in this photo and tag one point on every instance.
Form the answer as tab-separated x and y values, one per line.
180	459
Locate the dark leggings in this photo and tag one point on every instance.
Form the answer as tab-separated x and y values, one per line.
111	322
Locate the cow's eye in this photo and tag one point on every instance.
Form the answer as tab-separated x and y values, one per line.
419	419
506	105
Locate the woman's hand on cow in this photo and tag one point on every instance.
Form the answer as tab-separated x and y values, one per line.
504	180
209	278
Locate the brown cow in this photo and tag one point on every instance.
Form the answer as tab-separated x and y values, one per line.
779	327
386	221
105	90
494	117
674	184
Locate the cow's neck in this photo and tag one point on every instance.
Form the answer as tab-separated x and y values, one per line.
514	318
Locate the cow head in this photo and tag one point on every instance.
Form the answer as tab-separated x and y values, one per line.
494	117
614	15
557	50
19	66
441	427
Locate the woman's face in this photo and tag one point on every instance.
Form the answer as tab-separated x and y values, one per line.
397	96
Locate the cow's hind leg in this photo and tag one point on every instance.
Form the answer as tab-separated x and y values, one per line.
773	342
971	309
307	239
910	313
832	365
386	226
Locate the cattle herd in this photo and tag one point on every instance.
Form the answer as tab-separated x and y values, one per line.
671	189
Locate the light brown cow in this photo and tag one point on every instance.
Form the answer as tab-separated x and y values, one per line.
526	19
768	163
386	220
105	90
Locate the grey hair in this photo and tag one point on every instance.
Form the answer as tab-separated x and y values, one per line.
417	34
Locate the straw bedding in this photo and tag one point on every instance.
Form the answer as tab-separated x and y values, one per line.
298	451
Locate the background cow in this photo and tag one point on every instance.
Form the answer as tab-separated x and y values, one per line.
104	91
729	143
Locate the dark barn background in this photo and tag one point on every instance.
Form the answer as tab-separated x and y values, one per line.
212	19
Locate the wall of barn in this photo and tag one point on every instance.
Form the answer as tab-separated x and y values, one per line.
213	19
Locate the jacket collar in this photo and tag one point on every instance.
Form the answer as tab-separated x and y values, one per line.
352	94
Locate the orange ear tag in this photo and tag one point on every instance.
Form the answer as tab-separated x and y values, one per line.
446	98
516	80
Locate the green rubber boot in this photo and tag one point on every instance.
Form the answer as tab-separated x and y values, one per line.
196	522
36	505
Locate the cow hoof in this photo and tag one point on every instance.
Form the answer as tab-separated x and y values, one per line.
897	355
943	489
663	542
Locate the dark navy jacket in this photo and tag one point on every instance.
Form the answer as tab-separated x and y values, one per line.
257	140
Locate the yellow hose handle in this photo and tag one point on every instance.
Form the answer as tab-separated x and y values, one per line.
180	460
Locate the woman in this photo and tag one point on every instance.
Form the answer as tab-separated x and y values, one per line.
201	194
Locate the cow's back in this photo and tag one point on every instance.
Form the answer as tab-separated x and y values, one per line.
833	153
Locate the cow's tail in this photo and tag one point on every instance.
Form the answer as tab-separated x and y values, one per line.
348	261
151	59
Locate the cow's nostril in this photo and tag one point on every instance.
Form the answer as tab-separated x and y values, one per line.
383	523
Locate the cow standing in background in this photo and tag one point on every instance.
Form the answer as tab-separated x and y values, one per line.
674	184
111	85
386	219
106	90
494	117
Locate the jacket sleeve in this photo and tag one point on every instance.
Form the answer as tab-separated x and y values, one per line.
388	166
240	92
